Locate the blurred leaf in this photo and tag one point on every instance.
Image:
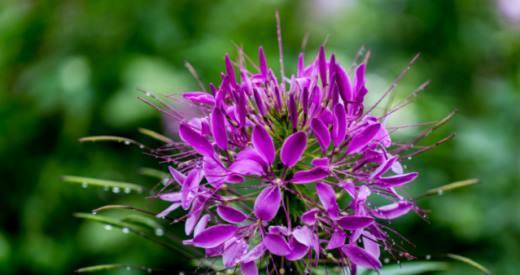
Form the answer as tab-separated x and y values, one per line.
469	262
116	186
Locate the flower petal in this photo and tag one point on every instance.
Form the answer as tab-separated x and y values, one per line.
362	138
267	203
254	254
339	124
298	250
249	268
247	167
215	235
218	127
293	148
397	180
234	252
168	210
322	133
337	239
393	210
263	143
355	222
230	214
360	257
176	175
304	236
310	216
328	198
322	66
308	176
200	97
171	197
277	245
201	225
195	140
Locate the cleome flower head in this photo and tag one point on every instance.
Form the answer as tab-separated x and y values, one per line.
276	171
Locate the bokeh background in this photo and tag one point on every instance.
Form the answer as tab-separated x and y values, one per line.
70	69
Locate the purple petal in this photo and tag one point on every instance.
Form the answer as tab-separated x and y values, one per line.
337	239
267	203
230	214
345	89
241	108
304	236
308	176
360	257
168	210
191	183
328	198
247	167
322	133
191	221
339	128
254	254
234	252
259	102
322	66
171	197
195	140
200	97
263	143
362	138
310	216
263	62
293	111
355	222
293	148
320	162
397	180
370	245
249	268
201	225
176	175
326	117
214	236
360	82
393	210
218	126
278	230
230	71
298	250
277	245
383	168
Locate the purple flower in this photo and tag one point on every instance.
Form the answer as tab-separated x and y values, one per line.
286	168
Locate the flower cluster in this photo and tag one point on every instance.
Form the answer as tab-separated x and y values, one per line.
278	173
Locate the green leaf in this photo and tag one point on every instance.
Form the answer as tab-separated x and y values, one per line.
114	185
469	262
410	268
105	267
155	135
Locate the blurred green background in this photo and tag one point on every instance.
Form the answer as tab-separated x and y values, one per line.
71	69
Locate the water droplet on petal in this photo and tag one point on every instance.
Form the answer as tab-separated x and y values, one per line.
115	189
125	230
108	227
159	232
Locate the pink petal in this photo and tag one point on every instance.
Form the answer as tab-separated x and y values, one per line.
362	138
218	127
370	245
215	235
321	132
267	203
195	140
293	149
308	176
254	254
383	168
355	222
277	245
263	143
230	214
327	197
247	167
304	236
201	225
360	257
171	197
393	210
234	252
